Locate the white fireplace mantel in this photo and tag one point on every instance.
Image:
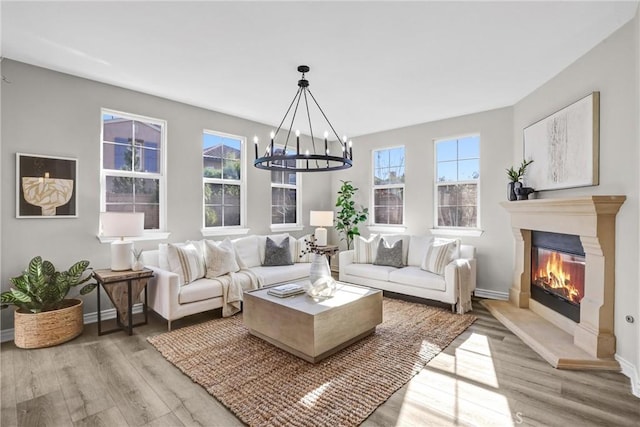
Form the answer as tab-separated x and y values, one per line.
589	344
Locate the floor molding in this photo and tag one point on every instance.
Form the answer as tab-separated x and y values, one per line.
491	294
8	334
631	371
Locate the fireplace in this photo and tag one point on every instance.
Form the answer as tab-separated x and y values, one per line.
557	272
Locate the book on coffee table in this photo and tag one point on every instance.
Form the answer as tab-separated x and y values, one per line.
287	290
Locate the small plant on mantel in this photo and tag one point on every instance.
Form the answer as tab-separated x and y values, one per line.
515	175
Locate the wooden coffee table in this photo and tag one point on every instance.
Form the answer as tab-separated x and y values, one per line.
313	330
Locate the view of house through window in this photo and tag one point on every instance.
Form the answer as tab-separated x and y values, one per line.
131	173
388	186
457	177
222	179
284	192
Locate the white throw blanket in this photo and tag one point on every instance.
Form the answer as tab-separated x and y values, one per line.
463	268
232	290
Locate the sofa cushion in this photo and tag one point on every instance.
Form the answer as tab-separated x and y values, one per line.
276	254
200	290
415	276
186	261
220	258
247	250
369	271
439	254
163	256
418	246
365	249
405	238
388	254
280	274
301	254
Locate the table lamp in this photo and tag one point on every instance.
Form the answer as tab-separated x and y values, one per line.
321	219
121	224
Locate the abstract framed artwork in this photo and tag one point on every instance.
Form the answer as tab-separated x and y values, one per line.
565	147
46	186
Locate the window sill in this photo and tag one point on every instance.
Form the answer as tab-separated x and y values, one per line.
387	228
223	231
286	227
471	232
159	235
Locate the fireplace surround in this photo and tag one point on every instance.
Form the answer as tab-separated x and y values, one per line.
590	342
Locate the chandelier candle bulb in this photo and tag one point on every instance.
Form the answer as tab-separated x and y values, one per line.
297	142
255	141
351	150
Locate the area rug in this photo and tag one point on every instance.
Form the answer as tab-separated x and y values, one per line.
265	386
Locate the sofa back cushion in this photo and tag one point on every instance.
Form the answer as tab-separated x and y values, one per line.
418	246
277	253
247	250
389	255
365	249
439	254
220	258
186	261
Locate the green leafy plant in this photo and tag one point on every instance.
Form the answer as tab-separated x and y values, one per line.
516	174
42	288
348	217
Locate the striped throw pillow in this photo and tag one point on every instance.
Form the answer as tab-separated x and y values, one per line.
187	262
439	254
301	246
365	249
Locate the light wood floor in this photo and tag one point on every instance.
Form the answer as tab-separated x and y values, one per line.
486	377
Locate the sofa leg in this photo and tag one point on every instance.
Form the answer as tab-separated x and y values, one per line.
169	325
453	308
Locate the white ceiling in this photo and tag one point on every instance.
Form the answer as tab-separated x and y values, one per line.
374	65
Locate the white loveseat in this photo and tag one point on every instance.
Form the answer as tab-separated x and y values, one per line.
172	299
459	272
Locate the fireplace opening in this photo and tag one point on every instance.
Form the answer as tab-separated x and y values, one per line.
557	272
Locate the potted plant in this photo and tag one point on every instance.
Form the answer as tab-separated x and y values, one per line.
348	217
515	175
44	316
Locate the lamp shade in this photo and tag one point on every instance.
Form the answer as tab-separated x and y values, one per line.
321	218
122	224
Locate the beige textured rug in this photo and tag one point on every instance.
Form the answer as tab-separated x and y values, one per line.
266	386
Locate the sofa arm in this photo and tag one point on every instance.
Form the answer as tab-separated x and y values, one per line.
163	292
345	258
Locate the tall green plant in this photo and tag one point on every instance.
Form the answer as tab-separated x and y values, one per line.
42	288
348	216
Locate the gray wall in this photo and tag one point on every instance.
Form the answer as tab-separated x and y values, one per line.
50	113
611	68
494	246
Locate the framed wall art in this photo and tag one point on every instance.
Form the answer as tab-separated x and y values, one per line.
565	147
46	186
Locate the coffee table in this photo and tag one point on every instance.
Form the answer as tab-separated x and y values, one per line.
313	330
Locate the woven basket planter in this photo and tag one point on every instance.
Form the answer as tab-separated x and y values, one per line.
49	328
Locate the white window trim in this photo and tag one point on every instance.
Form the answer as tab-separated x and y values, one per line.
235	229
454	231
298	187
374	225
161	233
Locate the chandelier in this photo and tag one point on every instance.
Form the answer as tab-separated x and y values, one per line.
319	158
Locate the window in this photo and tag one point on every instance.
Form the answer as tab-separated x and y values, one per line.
388	186
222	176
457	177
284	193
132	174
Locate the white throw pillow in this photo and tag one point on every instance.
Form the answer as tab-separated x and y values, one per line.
186	261
439	254
365	249
220	258
247	250
301	247
418	246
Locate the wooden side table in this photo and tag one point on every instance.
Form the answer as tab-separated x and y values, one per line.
328	251
122	287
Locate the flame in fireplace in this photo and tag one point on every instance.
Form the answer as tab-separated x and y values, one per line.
553	275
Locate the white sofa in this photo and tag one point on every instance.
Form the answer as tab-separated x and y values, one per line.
173	300
412	279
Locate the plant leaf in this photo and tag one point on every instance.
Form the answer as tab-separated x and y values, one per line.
88	288
21	296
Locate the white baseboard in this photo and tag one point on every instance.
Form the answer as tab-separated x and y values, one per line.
630	371
7	334
488	293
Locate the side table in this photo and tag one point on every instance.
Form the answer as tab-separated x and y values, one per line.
328	251
122	287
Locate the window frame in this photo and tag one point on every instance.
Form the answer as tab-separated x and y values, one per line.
456	230
149	234
297	226
242	183
372	222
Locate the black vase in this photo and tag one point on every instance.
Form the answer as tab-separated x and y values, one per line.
511	190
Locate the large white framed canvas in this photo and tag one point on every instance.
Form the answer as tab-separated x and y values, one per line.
565	147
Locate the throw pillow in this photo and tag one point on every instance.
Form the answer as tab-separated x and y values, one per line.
439	254
392	238
301	246
186	261
220	259
278	238
277	254
389	255
418	246
365	249
247	251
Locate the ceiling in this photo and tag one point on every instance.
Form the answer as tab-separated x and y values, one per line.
374	65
